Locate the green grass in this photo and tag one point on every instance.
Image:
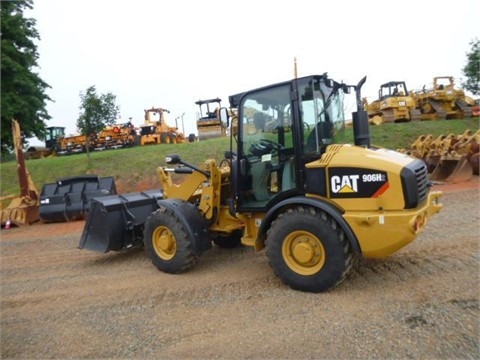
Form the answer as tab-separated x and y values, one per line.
130	166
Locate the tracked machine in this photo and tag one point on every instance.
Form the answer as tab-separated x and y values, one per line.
394	104
442	101
311	203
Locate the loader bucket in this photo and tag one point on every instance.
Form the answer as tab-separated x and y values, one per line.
116	222
69	198
452	170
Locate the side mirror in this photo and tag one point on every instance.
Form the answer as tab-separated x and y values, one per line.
172	159
224	116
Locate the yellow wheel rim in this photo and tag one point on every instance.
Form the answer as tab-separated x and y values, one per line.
164	243
303	252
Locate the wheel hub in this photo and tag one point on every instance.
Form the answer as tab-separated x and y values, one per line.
303	252
164	242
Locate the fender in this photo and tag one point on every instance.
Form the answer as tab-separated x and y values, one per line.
314	202
193	222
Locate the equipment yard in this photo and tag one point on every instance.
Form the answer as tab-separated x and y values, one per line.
422	302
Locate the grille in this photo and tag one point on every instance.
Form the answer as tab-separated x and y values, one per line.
415	183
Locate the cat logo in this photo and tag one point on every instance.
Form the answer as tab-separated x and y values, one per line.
356	183
344	184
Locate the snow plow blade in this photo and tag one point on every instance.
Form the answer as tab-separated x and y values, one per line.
116	222
452	170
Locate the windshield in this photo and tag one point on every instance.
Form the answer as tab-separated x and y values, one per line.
322	112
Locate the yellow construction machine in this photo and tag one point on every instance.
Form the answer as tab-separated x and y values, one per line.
155	129
115	136
311	203
394	104
442	101
209	124
23	208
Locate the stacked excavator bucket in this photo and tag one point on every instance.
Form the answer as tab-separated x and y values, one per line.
449	158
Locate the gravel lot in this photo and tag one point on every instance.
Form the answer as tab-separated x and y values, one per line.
59	302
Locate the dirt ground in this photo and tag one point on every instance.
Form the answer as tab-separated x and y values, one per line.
59	302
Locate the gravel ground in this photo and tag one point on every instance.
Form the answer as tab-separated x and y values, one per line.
59	302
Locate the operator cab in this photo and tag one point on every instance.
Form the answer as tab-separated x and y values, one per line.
279	129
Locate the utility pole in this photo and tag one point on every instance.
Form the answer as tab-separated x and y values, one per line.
183	128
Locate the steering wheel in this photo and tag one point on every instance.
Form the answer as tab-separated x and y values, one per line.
264	146
270	145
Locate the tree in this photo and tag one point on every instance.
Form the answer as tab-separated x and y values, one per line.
23	96
96	113
472	68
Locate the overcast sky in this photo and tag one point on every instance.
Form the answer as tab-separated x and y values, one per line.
172	53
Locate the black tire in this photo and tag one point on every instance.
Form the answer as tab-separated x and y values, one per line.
308	250
173	138
167	242
164	138
229	241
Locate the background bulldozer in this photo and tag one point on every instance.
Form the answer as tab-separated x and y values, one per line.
443	101
394	104
209	124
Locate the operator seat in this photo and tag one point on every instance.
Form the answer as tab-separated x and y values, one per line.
321	133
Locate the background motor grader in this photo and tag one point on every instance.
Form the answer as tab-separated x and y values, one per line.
394	104
311	203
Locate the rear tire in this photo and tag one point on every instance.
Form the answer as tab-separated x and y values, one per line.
308	250
167	242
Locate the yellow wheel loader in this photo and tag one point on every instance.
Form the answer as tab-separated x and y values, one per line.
155	129
394	104
311	203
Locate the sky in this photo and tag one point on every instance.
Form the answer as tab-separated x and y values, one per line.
170	54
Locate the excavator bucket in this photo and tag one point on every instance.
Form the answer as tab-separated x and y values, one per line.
452	170
116	222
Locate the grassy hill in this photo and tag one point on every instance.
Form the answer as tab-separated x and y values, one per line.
134	166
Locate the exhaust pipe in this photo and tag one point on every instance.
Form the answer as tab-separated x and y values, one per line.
361	128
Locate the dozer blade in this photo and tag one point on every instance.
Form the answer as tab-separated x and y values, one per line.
452	170
115	222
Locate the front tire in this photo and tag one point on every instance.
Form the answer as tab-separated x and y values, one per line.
308	250
167	242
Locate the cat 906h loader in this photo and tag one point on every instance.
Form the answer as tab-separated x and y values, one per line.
311	203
